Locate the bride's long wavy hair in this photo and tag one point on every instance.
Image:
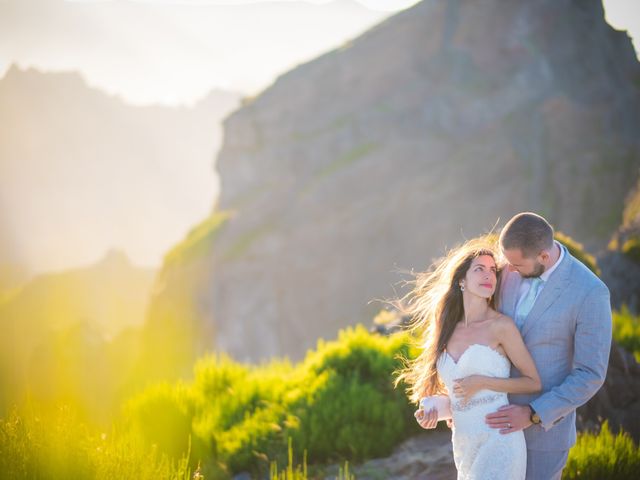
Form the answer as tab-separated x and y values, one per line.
435	306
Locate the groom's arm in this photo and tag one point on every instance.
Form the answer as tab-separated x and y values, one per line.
592	344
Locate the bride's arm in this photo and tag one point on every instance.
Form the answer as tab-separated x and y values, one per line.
511	340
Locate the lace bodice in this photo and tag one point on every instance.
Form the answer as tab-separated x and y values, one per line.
477	359
481	452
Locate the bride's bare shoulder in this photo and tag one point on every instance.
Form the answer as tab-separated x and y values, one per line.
500	321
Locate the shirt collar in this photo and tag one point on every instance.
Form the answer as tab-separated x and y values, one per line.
547	273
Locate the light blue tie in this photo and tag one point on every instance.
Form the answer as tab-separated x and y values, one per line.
526	303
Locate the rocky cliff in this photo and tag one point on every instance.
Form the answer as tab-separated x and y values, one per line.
427	129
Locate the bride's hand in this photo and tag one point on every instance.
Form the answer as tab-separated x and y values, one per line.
428	419
467	387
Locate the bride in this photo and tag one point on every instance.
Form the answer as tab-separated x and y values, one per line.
467	351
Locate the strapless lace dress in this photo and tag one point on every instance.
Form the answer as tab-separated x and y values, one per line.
481	452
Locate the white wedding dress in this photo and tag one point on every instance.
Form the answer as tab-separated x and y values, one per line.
481	452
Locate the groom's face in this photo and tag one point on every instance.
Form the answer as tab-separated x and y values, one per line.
526	267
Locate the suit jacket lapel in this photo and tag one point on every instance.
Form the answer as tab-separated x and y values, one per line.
556	284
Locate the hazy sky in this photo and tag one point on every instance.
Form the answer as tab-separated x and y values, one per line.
175	51
172	51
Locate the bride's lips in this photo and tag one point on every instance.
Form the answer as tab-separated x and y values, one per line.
486	285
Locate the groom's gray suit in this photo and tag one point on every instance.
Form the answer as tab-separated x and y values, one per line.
568	332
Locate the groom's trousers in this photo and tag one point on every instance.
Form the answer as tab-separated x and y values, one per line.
543	465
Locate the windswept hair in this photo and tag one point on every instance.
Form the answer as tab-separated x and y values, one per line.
435	306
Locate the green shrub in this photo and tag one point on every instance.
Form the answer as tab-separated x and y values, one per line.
163	414
626	330
241	412
351	409
603	456
339	403
577	250
224	390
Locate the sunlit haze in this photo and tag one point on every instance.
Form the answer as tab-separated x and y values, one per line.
175	52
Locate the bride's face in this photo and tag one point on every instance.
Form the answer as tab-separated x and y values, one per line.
481	278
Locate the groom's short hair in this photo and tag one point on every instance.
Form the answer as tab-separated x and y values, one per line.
528	232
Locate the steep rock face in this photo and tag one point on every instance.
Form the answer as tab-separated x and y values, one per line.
428	128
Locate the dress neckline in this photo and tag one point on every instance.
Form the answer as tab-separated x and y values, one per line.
469	347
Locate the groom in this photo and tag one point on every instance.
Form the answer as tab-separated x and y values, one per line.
563	313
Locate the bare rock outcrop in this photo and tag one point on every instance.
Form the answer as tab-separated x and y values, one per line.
426	129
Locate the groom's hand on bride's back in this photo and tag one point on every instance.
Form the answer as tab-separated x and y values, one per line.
428	419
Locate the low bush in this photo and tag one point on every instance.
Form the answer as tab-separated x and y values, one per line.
626	330
338	404
602	456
